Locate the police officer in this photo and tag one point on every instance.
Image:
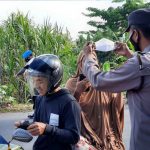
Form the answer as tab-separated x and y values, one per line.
133	77
27	56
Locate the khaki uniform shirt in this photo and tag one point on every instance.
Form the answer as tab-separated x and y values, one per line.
127	78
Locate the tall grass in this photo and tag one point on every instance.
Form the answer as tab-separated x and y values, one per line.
17	34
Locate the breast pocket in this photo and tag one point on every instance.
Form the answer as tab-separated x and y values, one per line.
54	119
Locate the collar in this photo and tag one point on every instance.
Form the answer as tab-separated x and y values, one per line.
58	93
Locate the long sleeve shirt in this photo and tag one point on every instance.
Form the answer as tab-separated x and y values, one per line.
128	78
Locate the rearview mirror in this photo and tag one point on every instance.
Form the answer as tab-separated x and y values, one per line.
22	135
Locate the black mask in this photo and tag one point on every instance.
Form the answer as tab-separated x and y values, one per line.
135	44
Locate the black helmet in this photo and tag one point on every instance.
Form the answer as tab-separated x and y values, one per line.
47	65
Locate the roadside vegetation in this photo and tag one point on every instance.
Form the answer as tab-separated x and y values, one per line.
19	33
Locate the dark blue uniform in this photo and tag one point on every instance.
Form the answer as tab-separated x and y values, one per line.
61	112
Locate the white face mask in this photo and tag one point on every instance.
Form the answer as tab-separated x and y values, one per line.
105	45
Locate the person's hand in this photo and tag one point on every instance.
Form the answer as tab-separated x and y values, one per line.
122	49
81	87
18	123
37	128
88	48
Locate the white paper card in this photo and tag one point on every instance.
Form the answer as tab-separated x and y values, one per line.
54	119
105	45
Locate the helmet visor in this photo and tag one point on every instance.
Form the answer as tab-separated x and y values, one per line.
37	82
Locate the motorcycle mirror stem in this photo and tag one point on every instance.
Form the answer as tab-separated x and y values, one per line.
9	145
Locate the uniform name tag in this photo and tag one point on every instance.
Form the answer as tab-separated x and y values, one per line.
54	119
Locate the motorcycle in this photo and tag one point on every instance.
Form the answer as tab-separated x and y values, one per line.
19	135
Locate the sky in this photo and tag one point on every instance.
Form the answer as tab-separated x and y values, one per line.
66	13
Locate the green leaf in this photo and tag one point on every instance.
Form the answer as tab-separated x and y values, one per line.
106	66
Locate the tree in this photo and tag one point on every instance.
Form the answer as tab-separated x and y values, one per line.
112	23
130	1
114	18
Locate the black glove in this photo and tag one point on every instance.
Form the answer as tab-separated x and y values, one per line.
24	125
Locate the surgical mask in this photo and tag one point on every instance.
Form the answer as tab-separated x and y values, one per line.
136	45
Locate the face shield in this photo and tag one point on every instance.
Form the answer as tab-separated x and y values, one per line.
38	82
